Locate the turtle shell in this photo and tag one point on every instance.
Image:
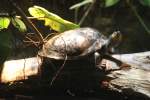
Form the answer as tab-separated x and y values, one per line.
73	44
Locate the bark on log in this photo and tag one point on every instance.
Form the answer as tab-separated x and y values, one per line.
15	70
135	81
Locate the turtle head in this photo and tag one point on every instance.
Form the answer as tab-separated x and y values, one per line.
113	41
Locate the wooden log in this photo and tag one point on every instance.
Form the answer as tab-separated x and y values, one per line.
134	81
22	69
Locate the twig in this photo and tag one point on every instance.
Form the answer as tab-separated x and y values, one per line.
87	12
61	68
138	17
58	72
30	17
76	15
24	66
30	41
35	43
49	35
28	21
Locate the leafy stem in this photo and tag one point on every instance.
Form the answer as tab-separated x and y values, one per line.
28	21
87	12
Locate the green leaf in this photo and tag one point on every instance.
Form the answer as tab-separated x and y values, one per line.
4	22
52	20
5	45
19	24
145	2
109	3
78	5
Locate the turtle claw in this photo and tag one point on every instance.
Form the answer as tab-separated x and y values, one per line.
125	66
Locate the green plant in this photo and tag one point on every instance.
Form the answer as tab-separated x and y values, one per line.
52	20
19	24
5	35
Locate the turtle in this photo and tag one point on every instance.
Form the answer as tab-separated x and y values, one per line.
82	43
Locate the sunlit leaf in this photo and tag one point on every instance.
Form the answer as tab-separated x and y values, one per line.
109	3
19	24
52	20
78	5
145	2
4	22
5	45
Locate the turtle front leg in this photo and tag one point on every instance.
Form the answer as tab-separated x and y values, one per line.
99	61
121	64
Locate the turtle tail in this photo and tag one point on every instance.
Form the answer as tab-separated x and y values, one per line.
113	41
